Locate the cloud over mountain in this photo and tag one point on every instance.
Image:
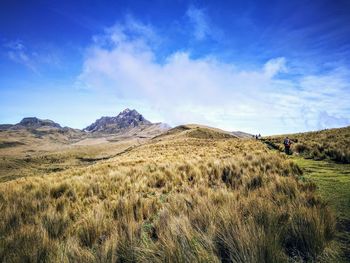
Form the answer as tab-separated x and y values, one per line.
124	61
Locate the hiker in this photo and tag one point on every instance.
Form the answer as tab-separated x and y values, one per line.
287	142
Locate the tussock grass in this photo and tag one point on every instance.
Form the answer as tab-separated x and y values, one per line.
330	144
187	199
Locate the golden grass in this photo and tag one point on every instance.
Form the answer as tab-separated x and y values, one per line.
330	144
175	199
34	157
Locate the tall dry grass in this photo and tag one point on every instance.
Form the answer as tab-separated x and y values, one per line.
179	200
330	144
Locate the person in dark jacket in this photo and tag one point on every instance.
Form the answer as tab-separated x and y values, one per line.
287	143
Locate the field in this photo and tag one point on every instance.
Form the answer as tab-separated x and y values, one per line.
333	181
192	195
331	173
25	153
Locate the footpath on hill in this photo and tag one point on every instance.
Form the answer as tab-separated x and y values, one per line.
333	185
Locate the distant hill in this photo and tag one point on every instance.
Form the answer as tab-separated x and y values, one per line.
241	134
197	131
32	134
30	123
33	122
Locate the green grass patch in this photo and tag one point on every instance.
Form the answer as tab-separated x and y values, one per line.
333	182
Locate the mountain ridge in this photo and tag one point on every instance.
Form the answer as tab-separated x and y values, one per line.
31	123
128	123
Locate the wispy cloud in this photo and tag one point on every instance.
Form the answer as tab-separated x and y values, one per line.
14	45
274	66
200	23
19	53
16	51
210	91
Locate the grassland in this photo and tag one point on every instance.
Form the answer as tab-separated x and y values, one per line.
333	184
324	158
332	144
23	153
193	195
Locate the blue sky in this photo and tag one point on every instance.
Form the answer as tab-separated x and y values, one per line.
258	66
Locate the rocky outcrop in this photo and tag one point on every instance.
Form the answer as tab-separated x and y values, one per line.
127	119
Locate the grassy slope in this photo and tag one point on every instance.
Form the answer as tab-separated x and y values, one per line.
333	181
192	196
330	144
332	178
23	153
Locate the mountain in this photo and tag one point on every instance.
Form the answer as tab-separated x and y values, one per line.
34	123
31	123
126	120
128	124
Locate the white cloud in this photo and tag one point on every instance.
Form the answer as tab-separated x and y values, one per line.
274	66
199	21
208	91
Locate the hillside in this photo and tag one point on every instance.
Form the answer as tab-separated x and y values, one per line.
194	194
324	157
330	144
46	151
195	131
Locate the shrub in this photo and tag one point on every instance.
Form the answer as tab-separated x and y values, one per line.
301	148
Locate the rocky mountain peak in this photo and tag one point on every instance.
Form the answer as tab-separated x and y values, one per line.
132	115
124	120
127	110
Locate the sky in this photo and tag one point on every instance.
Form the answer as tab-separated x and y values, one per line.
268	67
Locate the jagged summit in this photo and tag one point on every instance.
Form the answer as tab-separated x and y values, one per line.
124	120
